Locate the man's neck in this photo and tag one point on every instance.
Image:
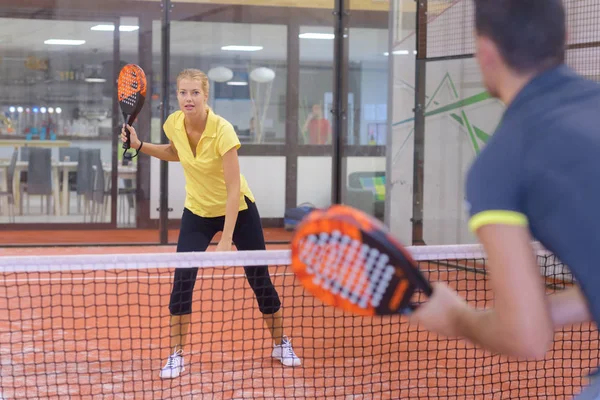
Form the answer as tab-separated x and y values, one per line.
513	84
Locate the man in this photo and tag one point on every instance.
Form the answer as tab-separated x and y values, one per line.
318	128
537	178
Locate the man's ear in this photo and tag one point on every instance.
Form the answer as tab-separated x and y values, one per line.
487	52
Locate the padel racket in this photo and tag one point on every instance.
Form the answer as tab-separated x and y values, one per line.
348	259
132	94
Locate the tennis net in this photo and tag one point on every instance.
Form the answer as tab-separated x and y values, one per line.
97	326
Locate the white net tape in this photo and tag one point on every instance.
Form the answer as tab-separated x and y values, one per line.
210	259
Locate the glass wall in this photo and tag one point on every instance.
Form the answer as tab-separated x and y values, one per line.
315	118
364	155
272	72
247	69
400	150
56	140
443	116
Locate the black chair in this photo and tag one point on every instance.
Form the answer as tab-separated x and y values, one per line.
9	192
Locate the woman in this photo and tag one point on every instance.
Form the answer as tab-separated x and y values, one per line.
217	199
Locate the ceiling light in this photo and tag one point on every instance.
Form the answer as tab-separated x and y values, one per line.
241	48
398	52
95	80
95	77
111	28
65	42
234	83
320	36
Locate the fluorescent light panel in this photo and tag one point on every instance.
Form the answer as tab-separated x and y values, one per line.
241	48
95	80
318	36
65	42
234	83
111	28
399	52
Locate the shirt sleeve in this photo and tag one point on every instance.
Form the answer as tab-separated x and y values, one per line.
494	186
169	126
227	139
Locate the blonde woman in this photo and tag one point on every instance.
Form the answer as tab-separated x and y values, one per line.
217	199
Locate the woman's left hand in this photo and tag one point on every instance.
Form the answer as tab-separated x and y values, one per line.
224	245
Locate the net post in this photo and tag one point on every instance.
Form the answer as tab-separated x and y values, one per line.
419	134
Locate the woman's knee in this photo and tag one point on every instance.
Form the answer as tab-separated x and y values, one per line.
269	306
264	290
184	281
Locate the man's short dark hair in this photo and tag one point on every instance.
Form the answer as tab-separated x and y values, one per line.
530	34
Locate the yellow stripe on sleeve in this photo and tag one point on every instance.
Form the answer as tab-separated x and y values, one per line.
502	217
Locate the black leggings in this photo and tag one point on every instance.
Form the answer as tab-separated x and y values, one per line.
195	235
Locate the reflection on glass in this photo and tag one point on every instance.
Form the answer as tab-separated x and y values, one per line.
315	121
246	65
55	121
316	129
247	71
365	172
316	85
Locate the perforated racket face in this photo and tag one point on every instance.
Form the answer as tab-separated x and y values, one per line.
344	258
131	89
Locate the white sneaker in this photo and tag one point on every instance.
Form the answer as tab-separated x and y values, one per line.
285	353
174	366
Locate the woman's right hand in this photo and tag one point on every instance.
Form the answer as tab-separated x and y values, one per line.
135	142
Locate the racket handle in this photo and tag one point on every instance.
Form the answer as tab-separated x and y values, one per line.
409	309
127	144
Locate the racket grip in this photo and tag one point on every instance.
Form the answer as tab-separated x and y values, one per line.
127	144
408	310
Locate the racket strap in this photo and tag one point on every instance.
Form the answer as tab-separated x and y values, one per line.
137	151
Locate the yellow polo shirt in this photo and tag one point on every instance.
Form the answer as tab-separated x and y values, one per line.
206	193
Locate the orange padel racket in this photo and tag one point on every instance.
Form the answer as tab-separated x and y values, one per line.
348	259
132	94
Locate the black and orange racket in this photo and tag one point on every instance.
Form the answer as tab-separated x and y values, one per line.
349	260
132	94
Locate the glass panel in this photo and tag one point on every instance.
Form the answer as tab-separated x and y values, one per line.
246	64
365	175
56	112
127	185
453	138
247	69
400	150
316	85
315	121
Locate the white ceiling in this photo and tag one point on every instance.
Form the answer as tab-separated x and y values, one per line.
200	39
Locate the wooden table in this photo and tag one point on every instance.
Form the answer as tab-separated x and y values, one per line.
34	143
61	200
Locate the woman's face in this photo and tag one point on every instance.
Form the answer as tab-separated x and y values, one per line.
191	97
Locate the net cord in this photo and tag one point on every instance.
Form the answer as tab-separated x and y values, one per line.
210	259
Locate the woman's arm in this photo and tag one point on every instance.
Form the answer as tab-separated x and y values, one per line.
231	170
165	152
